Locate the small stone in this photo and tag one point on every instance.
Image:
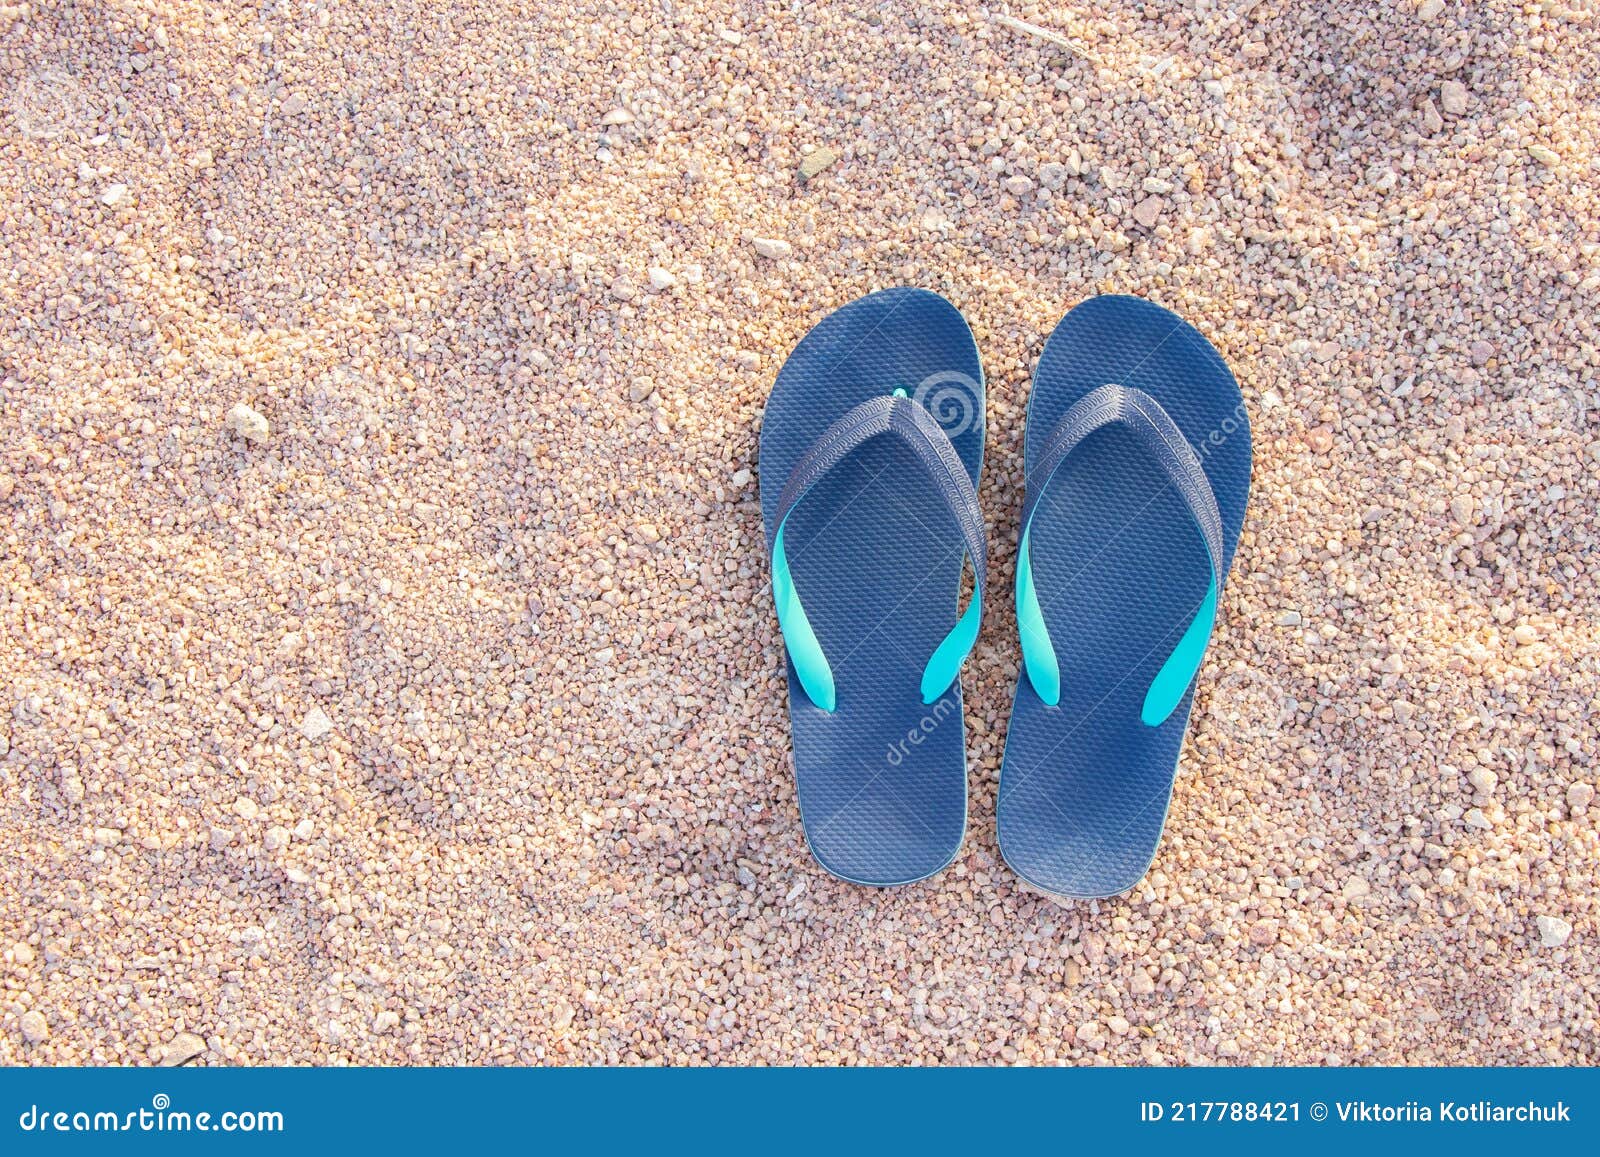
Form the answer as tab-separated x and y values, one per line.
1148	211
1525	635
772	247
1019	186
1464	510
624	290
1480	352
275	839
107	837
181	1049
729	36
220	838
114	196
295	104
1429	9
1483	780
1580	795
1142	984
1264	933
1053	175
385	1020
22	953
1289	619
1453	98
35	1029
646	532
1355	887
740	478
817	161
660	279
1545	155
245	808
316	724
1432	122
1476	819
248	423
617	116
1553	931
1309	756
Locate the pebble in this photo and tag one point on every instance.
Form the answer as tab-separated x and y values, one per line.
114	196
1545	155
1019	185
1553	931
772	247
385	1020
1053	175
22	953
1148	211
817	161
1525	635
617	116
181	1049
1355	887
248	423
1580	795
1483	780
1288	619
35	1029
315	724
1464	510
295	104
1453	98
660	279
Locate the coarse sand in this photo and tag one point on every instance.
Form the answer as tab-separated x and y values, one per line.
390	671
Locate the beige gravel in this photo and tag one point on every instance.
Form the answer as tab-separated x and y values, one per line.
434	713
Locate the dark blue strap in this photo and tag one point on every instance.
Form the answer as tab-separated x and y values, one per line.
1142	416
907	420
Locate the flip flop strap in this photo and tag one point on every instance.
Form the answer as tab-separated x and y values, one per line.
1141	415
907	420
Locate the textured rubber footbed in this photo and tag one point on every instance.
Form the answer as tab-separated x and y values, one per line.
1120	568
877	561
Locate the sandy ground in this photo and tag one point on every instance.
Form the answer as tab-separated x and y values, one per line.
439	717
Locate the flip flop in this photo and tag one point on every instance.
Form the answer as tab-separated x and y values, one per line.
1137	467
870	450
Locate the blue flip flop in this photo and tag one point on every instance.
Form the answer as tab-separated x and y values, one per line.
870	451
1137	467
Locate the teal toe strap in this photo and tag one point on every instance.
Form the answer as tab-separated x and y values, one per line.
1139	413
907	420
